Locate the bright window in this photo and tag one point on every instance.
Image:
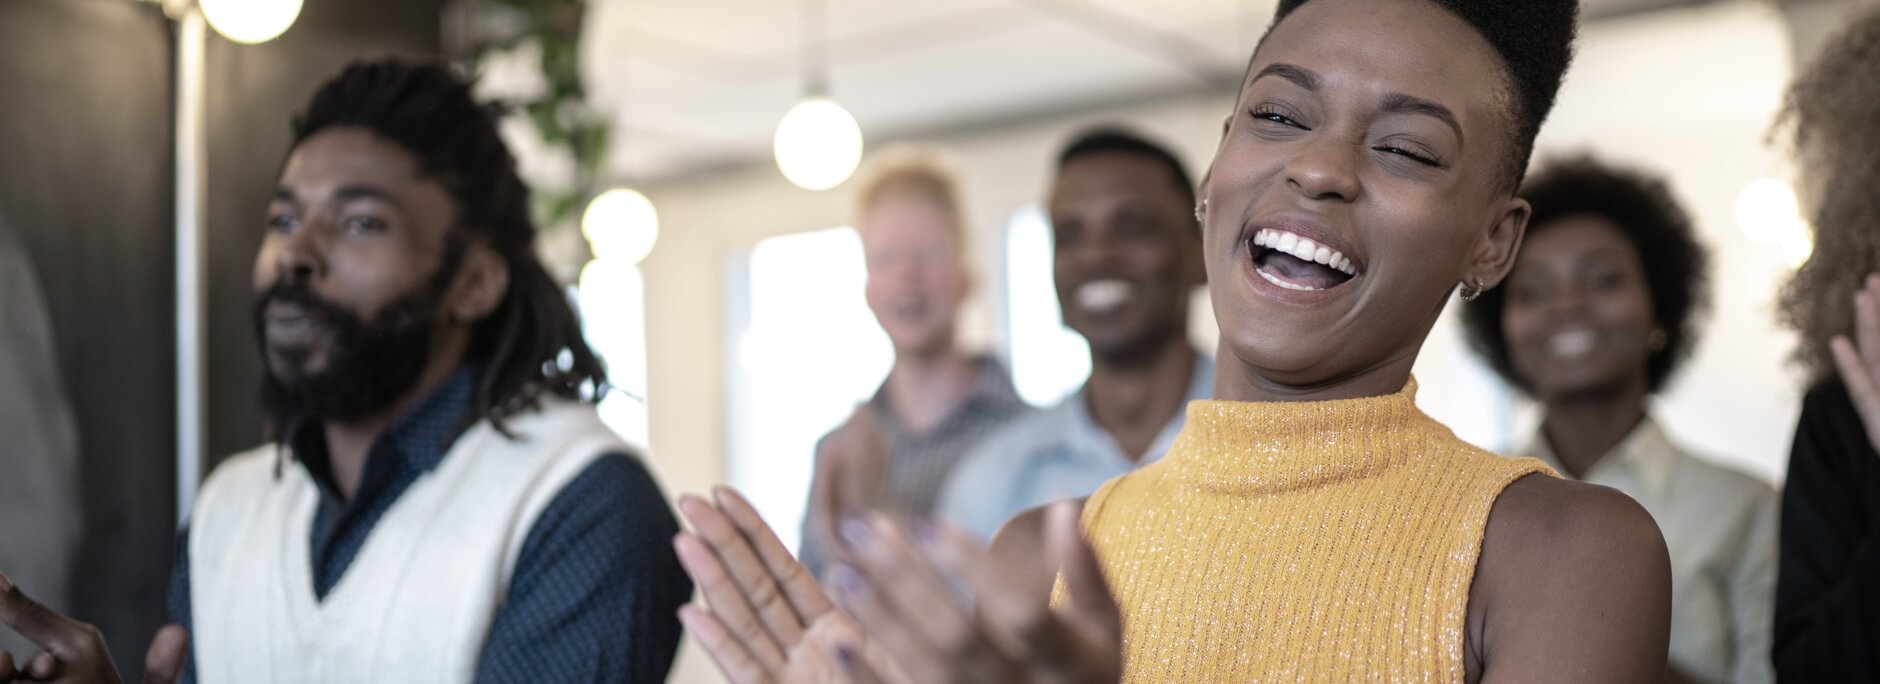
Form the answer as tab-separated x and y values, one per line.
612	300
805	351
1049	361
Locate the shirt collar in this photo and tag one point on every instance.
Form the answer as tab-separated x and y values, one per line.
991	386
1081	428
1646	452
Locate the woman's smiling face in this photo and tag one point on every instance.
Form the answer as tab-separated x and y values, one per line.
1364	173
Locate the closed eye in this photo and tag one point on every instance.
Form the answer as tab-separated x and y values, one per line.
1412	155
1265	113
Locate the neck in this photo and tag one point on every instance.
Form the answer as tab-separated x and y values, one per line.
348	442
1133	402
922	389
1239	380
1583	429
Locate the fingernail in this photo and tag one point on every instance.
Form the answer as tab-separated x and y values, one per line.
854	532
845	579
926	534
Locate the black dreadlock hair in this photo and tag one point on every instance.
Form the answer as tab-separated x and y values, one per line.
532	344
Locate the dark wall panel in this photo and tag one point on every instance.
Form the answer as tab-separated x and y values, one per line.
86	179
253	93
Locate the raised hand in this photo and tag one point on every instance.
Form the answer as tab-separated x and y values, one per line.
768	621
75	651
1858	359
849	476
905	590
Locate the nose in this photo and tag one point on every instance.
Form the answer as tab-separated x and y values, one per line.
1325	169
297	258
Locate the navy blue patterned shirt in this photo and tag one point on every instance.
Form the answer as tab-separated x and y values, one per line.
596	586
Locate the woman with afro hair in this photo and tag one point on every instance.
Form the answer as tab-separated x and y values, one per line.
1600	308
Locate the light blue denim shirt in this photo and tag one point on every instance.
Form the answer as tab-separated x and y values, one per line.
1060	453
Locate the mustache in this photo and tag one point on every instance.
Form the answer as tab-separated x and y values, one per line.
302	296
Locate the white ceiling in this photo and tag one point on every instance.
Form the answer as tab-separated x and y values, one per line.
701	84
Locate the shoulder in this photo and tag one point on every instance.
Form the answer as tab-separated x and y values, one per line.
1021	437
611	515
1572	578
1722	482
614	485
245	471
1543	519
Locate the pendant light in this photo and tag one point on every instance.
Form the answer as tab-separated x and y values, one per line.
818	144
250	22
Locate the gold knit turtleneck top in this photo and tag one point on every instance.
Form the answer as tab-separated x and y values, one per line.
1299	541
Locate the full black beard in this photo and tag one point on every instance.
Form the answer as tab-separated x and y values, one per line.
370	365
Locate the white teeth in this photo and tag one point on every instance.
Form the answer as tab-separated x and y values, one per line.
1100	296
1288	285
1305	249
1572	343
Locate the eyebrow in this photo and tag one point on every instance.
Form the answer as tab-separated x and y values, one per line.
345	193
1399	103
1394	103
364	192
1299	75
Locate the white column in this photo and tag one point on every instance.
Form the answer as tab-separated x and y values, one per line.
191	172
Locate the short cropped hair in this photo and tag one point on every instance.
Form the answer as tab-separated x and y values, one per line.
1534	39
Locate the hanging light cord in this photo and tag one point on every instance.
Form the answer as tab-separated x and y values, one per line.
815	48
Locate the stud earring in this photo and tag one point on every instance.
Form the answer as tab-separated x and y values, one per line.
1201	208
1472	290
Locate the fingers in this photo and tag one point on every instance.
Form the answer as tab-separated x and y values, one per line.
1014	606
733	659
1867	321
727	601
1088	593
1861	386
55	632
753	577
43	668
886	627
799	587
848	659
163	661
915	611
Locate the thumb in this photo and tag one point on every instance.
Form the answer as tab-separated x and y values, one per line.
1089	599
163	663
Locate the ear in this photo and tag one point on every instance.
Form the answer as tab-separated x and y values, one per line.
1495	252
482	280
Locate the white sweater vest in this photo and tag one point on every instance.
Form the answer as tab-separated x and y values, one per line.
416	604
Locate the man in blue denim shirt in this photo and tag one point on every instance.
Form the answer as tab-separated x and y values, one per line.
1128	257
444	504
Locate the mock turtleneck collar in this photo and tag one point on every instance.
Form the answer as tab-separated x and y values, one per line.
1267	447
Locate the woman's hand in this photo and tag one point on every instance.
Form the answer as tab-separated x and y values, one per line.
1859	359
768	621
906	591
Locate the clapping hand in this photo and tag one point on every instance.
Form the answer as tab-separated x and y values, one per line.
1858	359
75	651
905	590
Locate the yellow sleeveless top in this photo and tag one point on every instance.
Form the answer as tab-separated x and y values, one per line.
1299	541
